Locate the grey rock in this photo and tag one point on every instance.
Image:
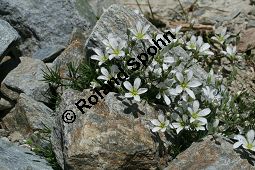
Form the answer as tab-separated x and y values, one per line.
5	104
16	137
48	54
3	132
7	64
8	35
117	19
251	24
211	155
28	116
46	23
252	12
26	78
16	158
99	5
113	134
74	53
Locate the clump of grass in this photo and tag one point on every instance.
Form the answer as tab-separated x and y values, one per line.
44	150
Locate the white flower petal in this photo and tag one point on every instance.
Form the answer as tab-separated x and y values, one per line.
178	89
161	118
190	93
194	83
155	129
237	144
155	122
179	77
142	90
204	112
189	75
179	129
104	71
127	85
250	136
163	129
204	47
195	106
137	83
167	100
137	98
128	95
202	119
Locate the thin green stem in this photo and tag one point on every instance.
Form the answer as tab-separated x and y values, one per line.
148	1
184	12
139	6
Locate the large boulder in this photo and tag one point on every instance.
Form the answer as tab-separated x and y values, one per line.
117	19
113	134
209	154
8	36
13	157
74	53
45	24
26	78
28	116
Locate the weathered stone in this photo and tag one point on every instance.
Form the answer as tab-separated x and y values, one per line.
16	158
49	54
113	134
16	137
99	5
127	19
26	78
8	35
74	53
7	64
251	24
3	132
117	19
5	104
209	155
247	40
46	23
28	116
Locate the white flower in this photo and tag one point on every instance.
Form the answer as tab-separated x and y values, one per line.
177	33
106	42
185	83
101	56
176	30
248	142
192	44
140	32
138	12
106	75
116	48
203	48
160	124
164	91
222	36
94	84
198	45
231	53
197	114
211	94
134	91
199	125
180	124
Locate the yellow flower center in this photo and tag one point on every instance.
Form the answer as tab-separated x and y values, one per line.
249	146
139	35
162	125
134	92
